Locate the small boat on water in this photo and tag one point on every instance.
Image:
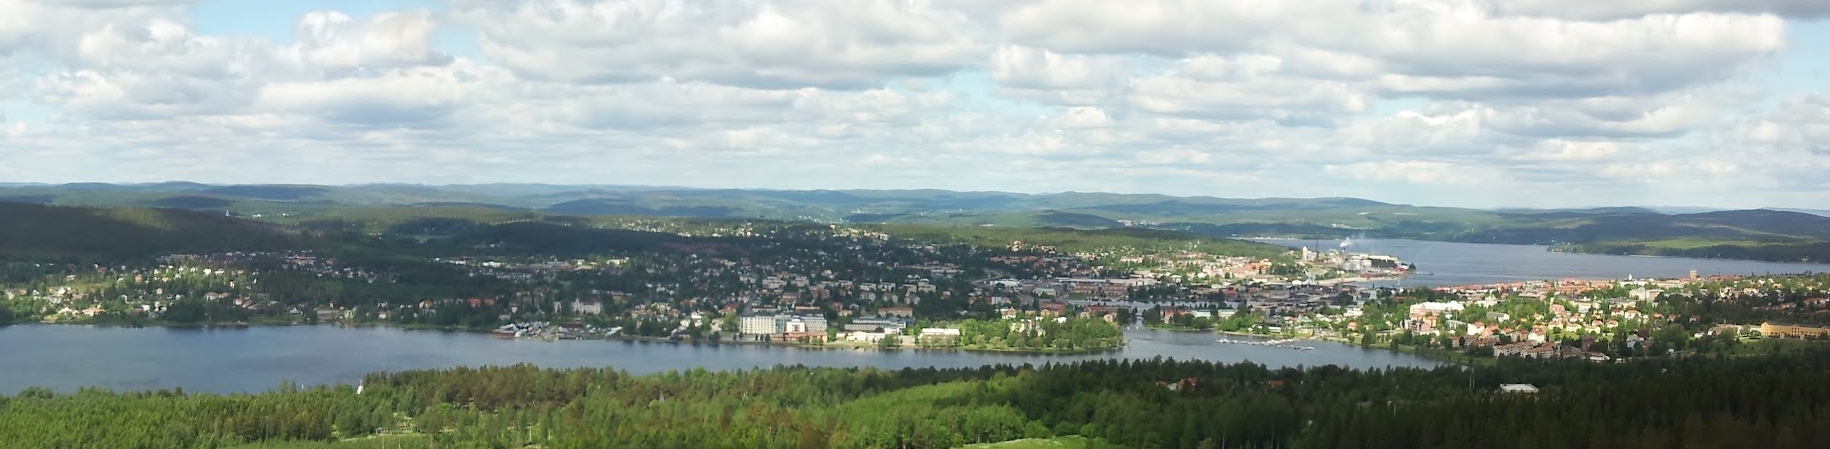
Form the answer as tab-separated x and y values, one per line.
508	331
1284	343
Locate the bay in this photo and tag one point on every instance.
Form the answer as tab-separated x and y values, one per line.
1449	263
65	358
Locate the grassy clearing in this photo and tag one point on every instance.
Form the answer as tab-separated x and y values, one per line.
377	442
1067	442
1694	243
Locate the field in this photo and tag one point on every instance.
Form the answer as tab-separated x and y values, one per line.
378	442
1067	442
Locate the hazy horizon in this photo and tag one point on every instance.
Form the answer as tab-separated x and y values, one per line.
1663	208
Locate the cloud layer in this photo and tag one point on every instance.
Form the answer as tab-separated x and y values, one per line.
1455	102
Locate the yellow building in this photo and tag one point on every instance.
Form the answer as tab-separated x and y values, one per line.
1771	330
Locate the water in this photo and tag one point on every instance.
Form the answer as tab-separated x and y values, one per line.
1446	263
65	358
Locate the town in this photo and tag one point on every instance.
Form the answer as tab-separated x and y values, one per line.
837	286
1597	320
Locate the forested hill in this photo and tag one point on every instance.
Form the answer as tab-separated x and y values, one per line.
1779	401
31	231
1743	234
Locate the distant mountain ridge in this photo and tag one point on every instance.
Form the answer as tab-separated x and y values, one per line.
1622	227
825	205
539	196
1817	212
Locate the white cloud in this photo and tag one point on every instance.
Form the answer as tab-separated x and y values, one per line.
1411	171
1659	116
400	97
1053	78
1244	88
1162	27
1081	117
1568	150
1393	99
1473	54
1422	46
1458	131
1032	68
16	25
333	41
378	71
786	44
1585	9
1658	171
1799	123
109	4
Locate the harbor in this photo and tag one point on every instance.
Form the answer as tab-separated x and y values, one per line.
541	330
1287	343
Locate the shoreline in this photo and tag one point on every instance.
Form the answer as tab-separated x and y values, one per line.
1457	360
1649	251
1158	327
1432	355
1411	351
622	338
873	347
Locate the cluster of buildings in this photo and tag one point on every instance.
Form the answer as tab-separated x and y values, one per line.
1191	266
1359	264
858	277
1092	288
1530	319
782	327
802	328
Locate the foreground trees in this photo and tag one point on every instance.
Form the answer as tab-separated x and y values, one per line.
1780	401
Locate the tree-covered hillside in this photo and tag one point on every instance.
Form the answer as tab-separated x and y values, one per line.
1746	234
1779	401
31	231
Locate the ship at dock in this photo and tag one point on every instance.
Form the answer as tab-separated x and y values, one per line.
1363	265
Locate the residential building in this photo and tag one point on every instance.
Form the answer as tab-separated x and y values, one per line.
587	307
1793	331
779	324
939	332
756	325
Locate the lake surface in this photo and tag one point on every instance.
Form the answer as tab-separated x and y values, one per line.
1447	263
65	358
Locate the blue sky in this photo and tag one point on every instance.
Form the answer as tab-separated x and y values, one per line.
1802	67
1453	102
277	20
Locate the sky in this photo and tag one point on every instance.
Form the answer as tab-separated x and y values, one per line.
1473	103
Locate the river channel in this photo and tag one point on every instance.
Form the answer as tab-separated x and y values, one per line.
65	358
1448	263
